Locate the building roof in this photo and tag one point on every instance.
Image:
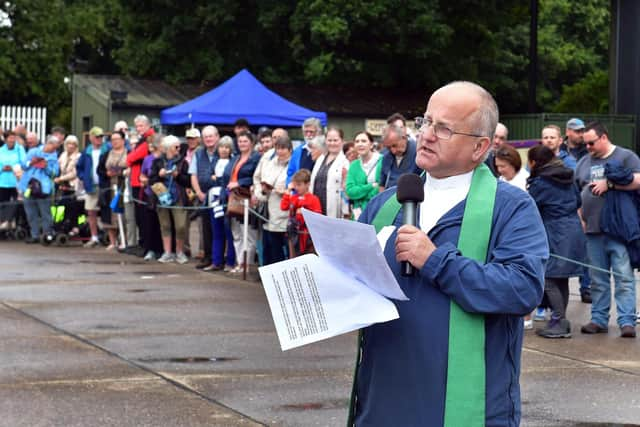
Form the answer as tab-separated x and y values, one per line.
335	101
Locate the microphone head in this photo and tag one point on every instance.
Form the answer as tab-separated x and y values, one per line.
410	188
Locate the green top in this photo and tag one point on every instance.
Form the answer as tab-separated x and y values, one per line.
358	188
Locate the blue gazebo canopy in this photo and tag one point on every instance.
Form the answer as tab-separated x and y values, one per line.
242	96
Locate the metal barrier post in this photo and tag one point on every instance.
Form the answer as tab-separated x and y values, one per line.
245	238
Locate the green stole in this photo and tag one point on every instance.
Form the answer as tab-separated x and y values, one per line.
465	399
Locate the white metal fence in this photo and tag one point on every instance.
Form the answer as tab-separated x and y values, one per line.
34	118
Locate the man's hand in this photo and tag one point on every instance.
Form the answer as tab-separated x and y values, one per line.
598	188
413	245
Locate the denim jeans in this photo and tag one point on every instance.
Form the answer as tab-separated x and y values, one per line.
39	215
221	238
610	254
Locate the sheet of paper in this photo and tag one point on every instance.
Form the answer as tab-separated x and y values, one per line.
353	248
310	301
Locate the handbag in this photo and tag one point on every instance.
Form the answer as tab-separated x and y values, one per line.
34	189
235	201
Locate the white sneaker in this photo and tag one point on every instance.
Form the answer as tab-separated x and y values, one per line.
528	324
181	258
166	257
91	243
150	256
4	225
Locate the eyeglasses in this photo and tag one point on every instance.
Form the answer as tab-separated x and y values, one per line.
591	143
440	131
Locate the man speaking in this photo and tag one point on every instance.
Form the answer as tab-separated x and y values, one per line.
453	357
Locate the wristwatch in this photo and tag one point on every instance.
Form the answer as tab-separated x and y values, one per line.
610	185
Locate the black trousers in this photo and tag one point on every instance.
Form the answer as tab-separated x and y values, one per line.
140	216
8	206
151	229
557	292
207	232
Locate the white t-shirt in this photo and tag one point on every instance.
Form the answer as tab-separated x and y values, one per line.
95	157
440	195
370	166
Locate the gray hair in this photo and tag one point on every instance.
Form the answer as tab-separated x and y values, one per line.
142	118
121	125
210	128
157	140
169	141
312	121
226	141
71	139
318	142
52	140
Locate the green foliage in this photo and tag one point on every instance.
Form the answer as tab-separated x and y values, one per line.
418	44
588	95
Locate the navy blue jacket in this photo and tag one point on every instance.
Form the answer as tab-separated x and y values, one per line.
558	200
620	217
390	173
403	373
84	167
245	174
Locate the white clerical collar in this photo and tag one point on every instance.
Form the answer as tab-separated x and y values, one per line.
440	196
456	181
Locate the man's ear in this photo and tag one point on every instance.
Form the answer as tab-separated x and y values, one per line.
480	148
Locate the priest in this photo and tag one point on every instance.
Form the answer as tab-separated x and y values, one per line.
453	357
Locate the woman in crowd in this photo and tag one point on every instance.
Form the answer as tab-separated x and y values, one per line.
364	173
238	177
39	165
220	226
170	177
509	166
329	176
67	182
112	167
271	188
151	225
350	151
11	156
552	187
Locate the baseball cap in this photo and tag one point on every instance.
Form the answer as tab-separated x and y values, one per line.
575	124
193	133
96	131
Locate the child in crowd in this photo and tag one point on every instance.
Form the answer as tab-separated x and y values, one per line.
299	241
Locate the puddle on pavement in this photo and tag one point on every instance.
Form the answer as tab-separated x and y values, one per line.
108	262
187	360
313	406
602	425
138	291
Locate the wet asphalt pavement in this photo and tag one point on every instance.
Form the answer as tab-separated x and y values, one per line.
92	338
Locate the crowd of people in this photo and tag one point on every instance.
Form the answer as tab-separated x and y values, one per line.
585	188
140	192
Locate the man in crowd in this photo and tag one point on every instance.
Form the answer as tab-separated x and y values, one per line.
400	122
87	169
21	133
552	139
417	370
134	162
573	141
202	171
499	137
193	143
301	156
605	252
399	158
239	127
31	140
60	133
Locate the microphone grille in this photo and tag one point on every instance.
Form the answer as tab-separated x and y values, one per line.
410	188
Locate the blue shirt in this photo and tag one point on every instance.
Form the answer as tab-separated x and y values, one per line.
43	175
10	157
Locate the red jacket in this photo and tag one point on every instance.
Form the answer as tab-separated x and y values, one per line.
292	203
137	155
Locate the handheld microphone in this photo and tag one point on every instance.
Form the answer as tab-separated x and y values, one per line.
410	192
